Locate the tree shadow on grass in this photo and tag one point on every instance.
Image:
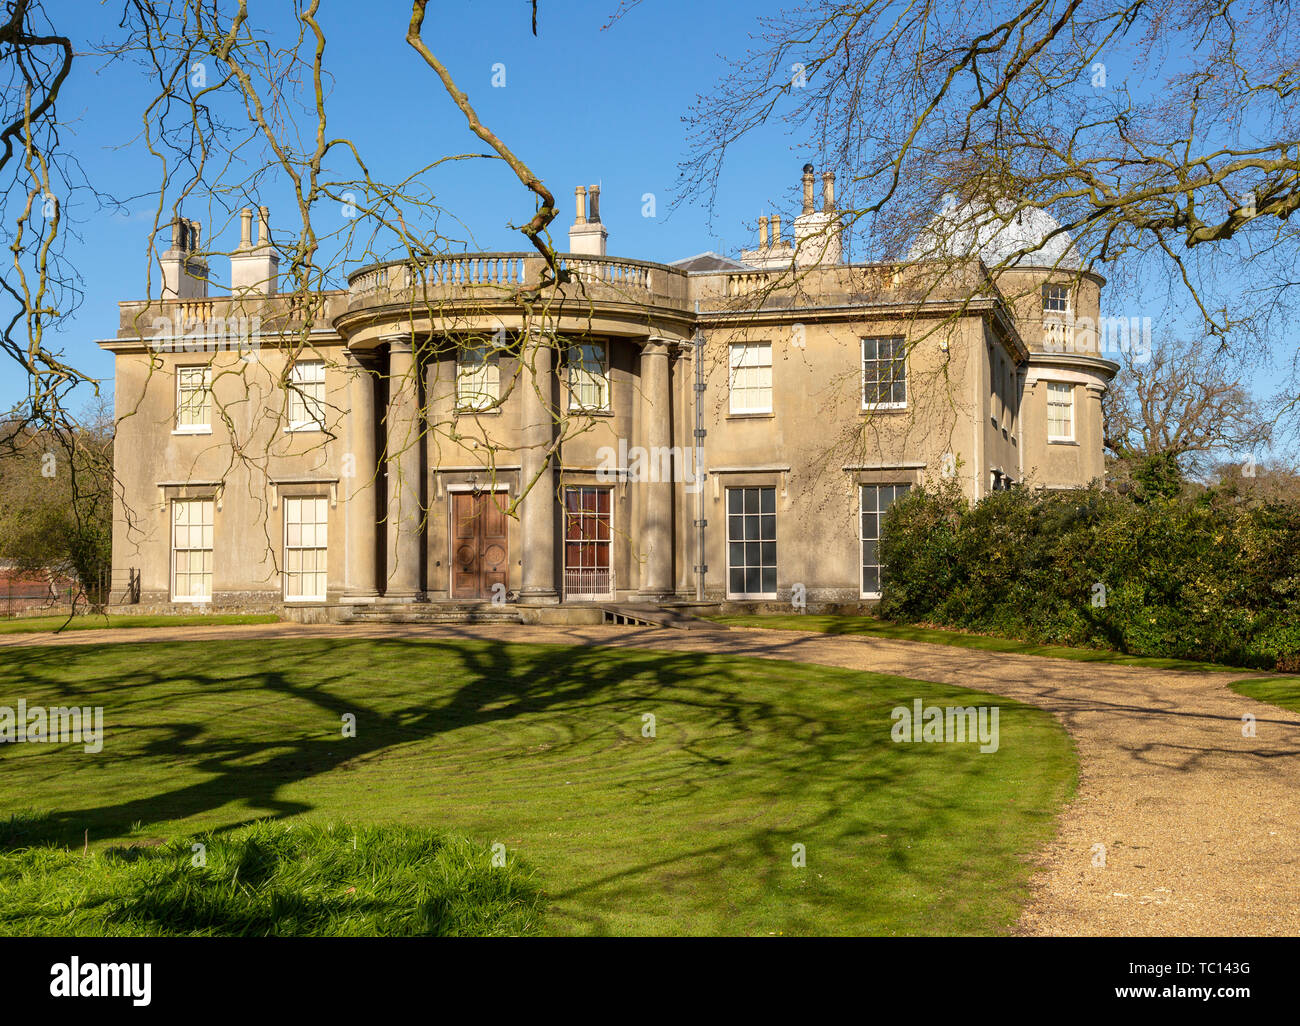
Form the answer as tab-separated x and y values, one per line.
231	711
502	683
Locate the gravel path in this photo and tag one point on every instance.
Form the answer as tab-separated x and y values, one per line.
1201	826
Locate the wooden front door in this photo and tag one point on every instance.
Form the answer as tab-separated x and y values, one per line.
480	546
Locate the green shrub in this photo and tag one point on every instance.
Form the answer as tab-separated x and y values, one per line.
1203	578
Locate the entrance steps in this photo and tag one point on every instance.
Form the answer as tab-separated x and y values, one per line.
637	614
627	614
429	613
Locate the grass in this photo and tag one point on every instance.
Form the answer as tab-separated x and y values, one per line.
99	622
542	749
870	625
1279	691
269	879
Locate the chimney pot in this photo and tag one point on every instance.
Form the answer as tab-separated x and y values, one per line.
776	230
808	202
828	191
762	232
594	192
263	226
580	200
246	228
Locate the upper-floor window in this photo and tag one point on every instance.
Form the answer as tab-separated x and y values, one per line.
307	395
589	376
1009	397
1060	412
884	373
751	377
194	399
997	402
1056	299
478	377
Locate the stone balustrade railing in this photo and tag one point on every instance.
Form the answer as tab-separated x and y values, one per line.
636	280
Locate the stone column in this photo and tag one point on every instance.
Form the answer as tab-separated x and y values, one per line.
537	511
360	489
656	539
405	470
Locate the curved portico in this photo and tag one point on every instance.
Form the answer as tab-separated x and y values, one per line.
535	450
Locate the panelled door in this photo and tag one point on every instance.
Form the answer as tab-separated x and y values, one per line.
480	545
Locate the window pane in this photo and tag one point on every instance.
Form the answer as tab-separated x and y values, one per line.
870	579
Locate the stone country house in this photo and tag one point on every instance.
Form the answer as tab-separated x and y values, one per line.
711	431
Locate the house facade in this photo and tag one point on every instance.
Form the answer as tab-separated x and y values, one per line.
715	430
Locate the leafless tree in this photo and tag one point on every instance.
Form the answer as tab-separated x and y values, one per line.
241	108
1183	402
1162	135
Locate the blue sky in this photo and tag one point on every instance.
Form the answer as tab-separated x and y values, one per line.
581	104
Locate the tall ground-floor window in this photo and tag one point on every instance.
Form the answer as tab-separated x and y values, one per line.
751	542
588	569
305	548
876	499
192	550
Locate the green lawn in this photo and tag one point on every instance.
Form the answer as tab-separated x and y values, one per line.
826	624
540	748
272	878
90	622
1280	691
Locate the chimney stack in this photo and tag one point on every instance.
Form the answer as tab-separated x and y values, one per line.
255	265
588	236
817	233
184	270
773	250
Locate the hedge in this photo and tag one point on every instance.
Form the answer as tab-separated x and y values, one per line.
1191	577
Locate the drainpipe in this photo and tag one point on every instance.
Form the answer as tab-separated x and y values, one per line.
701	567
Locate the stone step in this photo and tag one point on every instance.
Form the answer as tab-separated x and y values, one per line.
636	614
433	618
430	612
